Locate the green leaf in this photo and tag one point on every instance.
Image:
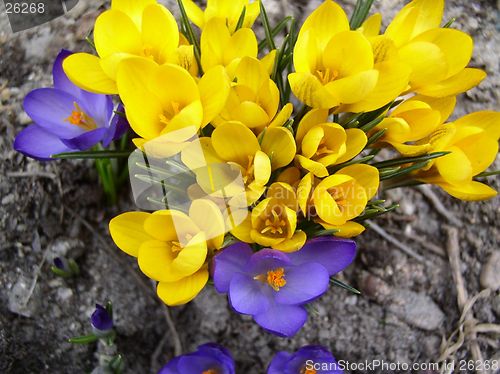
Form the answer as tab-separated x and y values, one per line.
362	160
360	13
275	31
241	19
404	171
91	155
375	137
267	27
487	174
345	286
372	124
449	23
59	272
375	212
85	339
407	160
190	34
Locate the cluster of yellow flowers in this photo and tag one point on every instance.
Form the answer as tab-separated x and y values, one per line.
219	100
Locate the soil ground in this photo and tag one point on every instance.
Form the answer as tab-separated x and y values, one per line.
407	307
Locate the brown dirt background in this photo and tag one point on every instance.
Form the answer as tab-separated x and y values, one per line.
49	209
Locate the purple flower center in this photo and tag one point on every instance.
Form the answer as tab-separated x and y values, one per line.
274	278
79	118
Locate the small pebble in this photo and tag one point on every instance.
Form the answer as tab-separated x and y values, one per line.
490	275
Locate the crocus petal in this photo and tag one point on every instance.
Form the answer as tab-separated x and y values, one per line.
348	53
473	191
228	262
246	295
208	217
461	82
49	108
86	140
265	260
235	142
37	143
278	363
318	169
160	31
282	320
312	118
183	290
279	145
243	229
348	230
85	70
310	91
214	90
353	88
132	8
334	254
355	143
127	231
168	225
194	13
61	81
366	175
371	26
293	244
304	283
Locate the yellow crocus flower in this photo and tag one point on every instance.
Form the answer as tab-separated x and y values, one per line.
254	98
473	145
273	222
410	123
229	10
437	56
130	28
336	66
322	144
171	247
235	144
336	200
166	99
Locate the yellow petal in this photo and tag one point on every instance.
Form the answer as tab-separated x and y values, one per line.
262	168
392	81
355	143
481	151
347	230
194	13
311	141
411	150
213	41
184	290
308	89
265	241
155	259
160	33
85	70
427	61
168	225
268	61
304	192
132	8
371	26
353	88
143	107
235	142
348	53
251	114
444	105
487	120
317	168
242	43
454	167
461	82
472	191
293	244
326	21
127	231
115	32
366	175
214	90
278	143
251	73
208	217
284	194
283	116
242	231
192	257
173	84
312	118
290	175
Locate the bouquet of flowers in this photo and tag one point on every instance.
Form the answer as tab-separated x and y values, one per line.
255	162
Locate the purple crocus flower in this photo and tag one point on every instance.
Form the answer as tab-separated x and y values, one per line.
101	320
67	118
308	359
273	286
210	358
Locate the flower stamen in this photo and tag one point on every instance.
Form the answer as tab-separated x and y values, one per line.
79	118
274	278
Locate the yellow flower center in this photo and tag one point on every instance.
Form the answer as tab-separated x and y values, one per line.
274	278
79	118
170	112
211	371
339	197
323	149
274	224
248	172
177	246
305	370
327	75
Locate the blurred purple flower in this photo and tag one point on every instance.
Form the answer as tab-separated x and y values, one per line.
308	359
67	118
101	320
210	358
273	286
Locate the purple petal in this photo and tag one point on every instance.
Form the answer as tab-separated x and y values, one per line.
37	143
194	363
117	127
278	364
304	283
219	352
49	108
282	320
86	140
333	253
230	261
247	295
100	319
99	107
321	357
171	367
267	259
61	80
